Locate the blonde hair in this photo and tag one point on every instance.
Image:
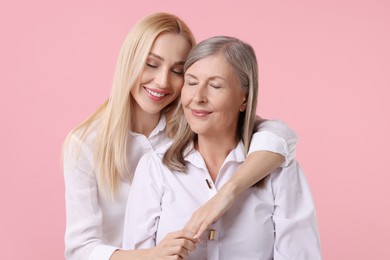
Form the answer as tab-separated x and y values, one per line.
242	59
114	117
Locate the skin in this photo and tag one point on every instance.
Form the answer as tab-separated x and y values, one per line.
161	82
246	176
212	100
209	103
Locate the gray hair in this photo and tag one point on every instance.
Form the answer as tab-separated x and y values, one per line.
242	58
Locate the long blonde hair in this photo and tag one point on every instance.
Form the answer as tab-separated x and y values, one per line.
242	59
114	117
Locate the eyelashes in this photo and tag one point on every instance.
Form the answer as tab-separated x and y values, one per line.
174	70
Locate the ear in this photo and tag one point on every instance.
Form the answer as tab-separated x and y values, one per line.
244	104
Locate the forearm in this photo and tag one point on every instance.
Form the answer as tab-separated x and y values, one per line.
257	165
130	254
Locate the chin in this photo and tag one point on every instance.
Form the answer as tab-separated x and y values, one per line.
199	131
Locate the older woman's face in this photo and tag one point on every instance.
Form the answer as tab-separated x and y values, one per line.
212	97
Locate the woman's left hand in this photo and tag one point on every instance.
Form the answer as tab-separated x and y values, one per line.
210	212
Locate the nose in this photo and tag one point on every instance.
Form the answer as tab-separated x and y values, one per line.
200	95
162	78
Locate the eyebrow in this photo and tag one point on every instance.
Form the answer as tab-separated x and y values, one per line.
211	78
162	59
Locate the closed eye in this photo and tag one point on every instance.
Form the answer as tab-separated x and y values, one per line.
151	65
191	83
178	72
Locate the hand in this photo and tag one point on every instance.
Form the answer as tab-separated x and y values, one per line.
210	212
175	245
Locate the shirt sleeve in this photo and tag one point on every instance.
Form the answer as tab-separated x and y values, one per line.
83	213
274	136
296	230
144	205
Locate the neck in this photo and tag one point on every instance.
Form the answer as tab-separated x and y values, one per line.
142	122
214	151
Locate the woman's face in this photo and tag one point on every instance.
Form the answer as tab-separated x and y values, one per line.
212	97
162	77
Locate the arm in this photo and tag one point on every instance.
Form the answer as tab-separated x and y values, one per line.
143	206
296	231
273	145
274	136
143	211
83	213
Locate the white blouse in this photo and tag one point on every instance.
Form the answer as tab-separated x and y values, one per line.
94	222
275	220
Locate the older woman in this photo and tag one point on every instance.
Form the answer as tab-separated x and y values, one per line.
101	154
273	220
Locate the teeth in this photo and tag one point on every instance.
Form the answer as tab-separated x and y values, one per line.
154	93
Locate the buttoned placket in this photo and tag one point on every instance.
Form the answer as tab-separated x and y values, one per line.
214	229
195	158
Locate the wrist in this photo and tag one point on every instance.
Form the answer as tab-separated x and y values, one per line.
138	254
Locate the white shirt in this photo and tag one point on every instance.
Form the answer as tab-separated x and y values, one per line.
274	221
94	222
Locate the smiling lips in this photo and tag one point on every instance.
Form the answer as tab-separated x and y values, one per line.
155	95
200	113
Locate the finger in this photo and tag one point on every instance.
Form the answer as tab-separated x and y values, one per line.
187	244
201	230
178	251
187	234
170	257
180	234
182	238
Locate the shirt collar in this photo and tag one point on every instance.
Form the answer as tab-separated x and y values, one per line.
159	127
194	157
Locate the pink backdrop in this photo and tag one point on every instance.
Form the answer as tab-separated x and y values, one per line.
325	70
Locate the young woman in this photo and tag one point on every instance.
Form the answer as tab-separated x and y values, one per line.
275	220
100	155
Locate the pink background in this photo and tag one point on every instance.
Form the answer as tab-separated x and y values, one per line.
325	70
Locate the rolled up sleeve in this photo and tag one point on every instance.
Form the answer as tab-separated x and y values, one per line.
274	136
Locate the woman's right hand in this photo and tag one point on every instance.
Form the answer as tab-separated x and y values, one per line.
175	245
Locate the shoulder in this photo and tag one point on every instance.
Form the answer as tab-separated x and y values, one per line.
151	163
273	125
79	145
154	157
160	151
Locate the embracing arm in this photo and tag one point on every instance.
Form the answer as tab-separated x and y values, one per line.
272	146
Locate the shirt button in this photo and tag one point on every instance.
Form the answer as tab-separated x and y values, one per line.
208	184
212	234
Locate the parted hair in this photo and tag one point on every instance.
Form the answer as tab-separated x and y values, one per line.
112	120
242	59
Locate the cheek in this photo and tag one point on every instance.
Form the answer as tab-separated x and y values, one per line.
177	83
185	96
146	75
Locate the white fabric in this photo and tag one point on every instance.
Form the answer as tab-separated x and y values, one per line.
274	136
274	221
94	222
